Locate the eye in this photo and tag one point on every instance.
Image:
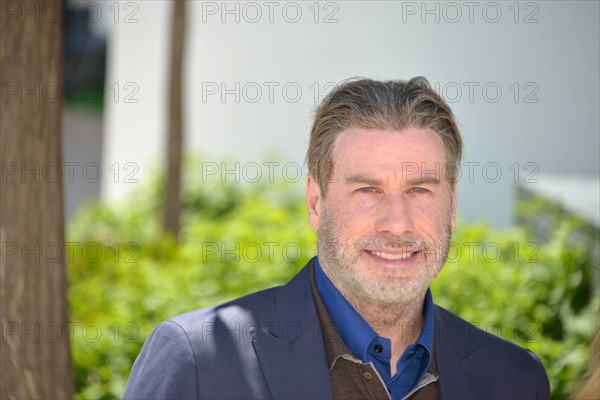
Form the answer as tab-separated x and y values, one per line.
368	189
418	190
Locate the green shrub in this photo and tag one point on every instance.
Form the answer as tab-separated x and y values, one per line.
131	277
528	293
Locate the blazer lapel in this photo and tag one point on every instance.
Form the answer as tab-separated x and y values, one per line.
462	363
290	347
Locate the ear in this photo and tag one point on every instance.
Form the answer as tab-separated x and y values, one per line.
313	201
453	216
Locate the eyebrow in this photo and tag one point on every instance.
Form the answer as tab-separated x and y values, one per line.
362	178
423	180
366	179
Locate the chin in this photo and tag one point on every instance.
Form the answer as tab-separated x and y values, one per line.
388	293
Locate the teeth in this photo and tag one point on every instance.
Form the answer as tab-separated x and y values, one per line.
389	256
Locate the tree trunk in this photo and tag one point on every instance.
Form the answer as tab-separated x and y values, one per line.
35	361
175	134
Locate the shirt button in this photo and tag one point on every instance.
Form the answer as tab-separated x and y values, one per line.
378	348
368	376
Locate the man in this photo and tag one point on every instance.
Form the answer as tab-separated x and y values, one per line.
359	321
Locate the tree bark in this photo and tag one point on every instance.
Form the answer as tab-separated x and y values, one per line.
175	130
35	361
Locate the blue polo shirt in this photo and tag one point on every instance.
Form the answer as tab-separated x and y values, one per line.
367	345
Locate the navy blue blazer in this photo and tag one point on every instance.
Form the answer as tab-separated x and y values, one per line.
269	345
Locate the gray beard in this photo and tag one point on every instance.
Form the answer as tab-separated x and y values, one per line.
339	259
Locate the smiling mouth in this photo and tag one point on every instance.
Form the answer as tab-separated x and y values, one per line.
391	256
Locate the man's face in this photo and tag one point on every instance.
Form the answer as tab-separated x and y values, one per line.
384	226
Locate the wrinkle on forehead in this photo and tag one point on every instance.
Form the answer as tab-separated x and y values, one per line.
411	155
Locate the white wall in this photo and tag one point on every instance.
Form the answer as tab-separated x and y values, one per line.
546	51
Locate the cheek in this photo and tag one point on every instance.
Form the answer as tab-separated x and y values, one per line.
425	209
430	217
359	220
348	217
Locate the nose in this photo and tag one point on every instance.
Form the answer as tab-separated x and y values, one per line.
394	216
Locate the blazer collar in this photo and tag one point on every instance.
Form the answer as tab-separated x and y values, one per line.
290	347
294	333
462	362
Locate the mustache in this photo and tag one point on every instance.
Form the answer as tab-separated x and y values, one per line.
405	242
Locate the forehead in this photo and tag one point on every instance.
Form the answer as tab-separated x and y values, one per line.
366	148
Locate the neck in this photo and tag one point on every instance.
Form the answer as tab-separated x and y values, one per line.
401	323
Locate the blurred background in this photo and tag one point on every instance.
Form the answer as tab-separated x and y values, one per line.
184	130
521	77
